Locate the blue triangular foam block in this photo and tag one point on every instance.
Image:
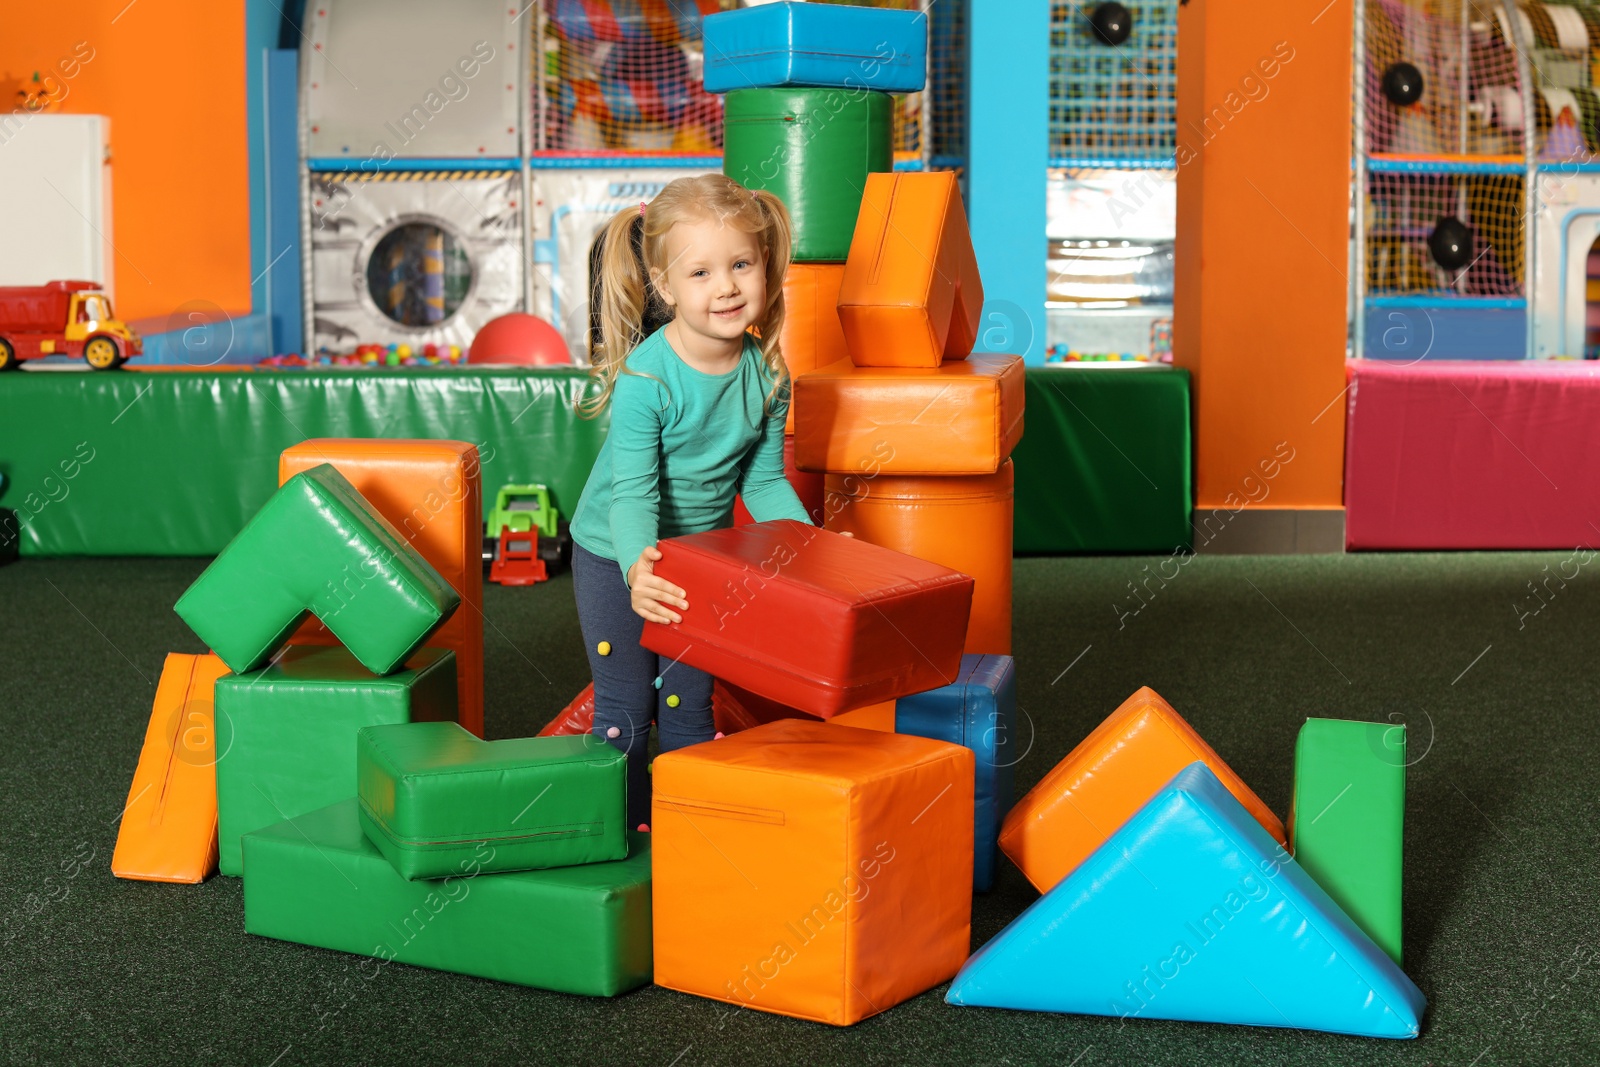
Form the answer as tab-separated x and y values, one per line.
1191	911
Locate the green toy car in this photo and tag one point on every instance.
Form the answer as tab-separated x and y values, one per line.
522	508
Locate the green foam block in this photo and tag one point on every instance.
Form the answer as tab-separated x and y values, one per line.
430	792
317	546
1346	825
317	880
813	148
286	734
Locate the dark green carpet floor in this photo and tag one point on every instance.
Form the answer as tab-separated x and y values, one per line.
1502	872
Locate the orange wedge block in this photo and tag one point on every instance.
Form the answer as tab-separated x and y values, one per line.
1100	785
169	827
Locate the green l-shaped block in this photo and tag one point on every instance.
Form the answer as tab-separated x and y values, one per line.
1346	824
317	546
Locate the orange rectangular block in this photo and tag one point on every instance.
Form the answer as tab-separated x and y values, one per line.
812	336
958	418
1101	784
812	870
430	492
168	831
911	295
963	522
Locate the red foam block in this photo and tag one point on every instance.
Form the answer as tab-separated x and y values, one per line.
812	619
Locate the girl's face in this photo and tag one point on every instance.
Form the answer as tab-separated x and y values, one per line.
716	279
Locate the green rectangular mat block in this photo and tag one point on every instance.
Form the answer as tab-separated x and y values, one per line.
813	148
286	734
431	792
1346	823
317	880
175	463
317	546
1105	464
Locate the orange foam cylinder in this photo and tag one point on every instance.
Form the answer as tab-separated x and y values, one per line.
168	831
812	336
962	522
911	295
811	870
430	493
807	486
1112	773
958	418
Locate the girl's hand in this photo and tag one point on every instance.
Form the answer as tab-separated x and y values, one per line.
651	596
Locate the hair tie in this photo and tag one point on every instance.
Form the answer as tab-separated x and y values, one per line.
641	209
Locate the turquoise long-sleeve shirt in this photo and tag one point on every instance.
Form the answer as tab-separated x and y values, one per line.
682	444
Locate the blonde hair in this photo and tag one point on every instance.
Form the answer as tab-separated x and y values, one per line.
635	246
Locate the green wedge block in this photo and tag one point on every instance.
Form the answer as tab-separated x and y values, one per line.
431	792
317	546
1345	827
286	734
813	148
317	880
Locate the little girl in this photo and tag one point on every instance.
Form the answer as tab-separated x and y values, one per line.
697	414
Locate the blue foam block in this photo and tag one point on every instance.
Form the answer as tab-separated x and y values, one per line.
1192	912
977	710
826	45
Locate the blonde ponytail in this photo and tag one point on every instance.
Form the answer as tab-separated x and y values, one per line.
634	247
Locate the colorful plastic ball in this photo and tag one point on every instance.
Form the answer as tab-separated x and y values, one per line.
430	350
392	360
673	701
657	682
403	351
720	736
614	731
644	828
604	648
520	339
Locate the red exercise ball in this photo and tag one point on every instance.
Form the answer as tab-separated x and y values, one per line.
521	339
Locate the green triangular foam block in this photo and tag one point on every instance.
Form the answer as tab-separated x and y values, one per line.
1346	826
317	546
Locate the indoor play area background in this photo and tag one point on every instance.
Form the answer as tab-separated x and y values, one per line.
1317	291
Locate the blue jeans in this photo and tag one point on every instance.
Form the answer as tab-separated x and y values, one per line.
625	694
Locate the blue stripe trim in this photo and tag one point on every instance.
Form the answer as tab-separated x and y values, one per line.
1379	165
1444	301
1113	163
583	162
1570	167
381	166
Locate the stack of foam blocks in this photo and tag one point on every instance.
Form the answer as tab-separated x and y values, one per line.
909	430
334	761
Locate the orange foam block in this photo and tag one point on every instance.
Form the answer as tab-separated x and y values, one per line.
812	870
1112	773
959	418
430	492
169	826
872	717
812	336
911	295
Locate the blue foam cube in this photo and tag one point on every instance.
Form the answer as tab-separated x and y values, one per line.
825	45
978	711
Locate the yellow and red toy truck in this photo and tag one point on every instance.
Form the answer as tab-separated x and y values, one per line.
63	319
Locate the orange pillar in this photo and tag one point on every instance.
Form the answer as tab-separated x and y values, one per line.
1263	148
